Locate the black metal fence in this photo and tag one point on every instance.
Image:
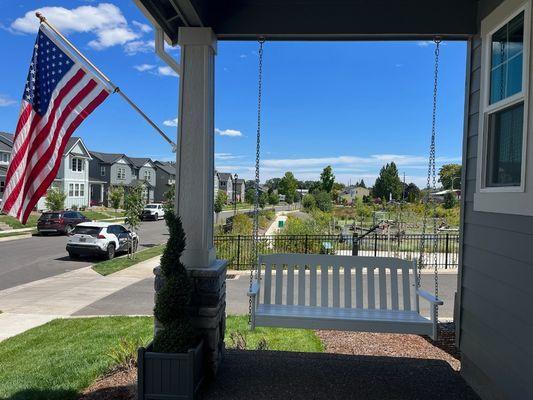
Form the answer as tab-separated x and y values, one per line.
238	249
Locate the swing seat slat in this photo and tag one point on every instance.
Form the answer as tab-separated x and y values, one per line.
366	279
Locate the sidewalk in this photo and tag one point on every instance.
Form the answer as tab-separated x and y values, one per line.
33	304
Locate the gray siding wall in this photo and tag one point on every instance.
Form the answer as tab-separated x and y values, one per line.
161	185
114	168
496	279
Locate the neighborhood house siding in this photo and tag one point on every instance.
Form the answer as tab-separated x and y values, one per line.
151	174
496	325
126	173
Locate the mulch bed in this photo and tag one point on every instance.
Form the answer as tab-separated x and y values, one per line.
121	384
394	345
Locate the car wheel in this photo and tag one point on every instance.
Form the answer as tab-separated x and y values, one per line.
69	229
110	251
73	255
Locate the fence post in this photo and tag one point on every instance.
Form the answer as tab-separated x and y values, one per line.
446	251
355	244
238	252
306	248
375	244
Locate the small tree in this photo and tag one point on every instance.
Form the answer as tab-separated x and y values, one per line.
449	200
55	199
273	198
249	195
173	299
308	202
116	194
133	205
323	201
220	201
327	179
169	196
263	199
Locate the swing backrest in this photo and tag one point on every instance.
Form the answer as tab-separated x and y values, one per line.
318	280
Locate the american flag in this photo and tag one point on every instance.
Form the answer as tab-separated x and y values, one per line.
60	93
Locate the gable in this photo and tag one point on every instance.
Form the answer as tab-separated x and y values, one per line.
78	149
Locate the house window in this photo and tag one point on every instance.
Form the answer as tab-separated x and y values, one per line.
2	186
71	189
77	164
502	177
82	189
121	173
5	157
147	175
102	170
76	190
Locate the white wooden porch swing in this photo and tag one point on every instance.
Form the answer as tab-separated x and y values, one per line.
308	287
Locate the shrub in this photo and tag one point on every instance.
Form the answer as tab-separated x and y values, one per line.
124	355
323	201
55	199
172	301
116	194
242	225
308	202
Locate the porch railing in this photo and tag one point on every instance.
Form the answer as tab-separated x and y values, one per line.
237	249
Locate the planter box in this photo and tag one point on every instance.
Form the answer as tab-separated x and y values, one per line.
171	376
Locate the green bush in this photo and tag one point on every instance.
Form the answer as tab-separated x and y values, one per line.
55	199
242	225
172	302
308	202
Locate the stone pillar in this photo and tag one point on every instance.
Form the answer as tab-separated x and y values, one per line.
195	186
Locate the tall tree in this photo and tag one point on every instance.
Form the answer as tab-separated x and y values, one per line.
450	174
327	179
412	193
361	184
273	184
287	186
388	183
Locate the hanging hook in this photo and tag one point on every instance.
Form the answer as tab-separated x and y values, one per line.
261	39
437	39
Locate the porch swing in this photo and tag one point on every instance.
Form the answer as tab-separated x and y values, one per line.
307	287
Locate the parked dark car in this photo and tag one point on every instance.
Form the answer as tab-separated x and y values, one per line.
60	221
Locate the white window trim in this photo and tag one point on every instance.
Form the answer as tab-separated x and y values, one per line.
504	199
102	170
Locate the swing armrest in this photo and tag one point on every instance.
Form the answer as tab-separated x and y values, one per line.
254	290
429	297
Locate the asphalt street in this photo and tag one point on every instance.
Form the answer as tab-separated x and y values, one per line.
138	299
27	260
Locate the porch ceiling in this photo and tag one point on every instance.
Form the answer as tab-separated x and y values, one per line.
317	19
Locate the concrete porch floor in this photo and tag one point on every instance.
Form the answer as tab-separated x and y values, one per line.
292	376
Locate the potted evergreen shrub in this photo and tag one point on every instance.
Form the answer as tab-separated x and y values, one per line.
171	366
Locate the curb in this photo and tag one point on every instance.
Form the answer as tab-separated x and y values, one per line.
8	238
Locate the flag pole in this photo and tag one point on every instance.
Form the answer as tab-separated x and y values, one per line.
104	77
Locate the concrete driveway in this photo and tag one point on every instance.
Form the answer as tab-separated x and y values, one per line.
27	260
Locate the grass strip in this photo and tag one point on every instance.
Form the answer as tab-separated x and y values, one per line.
117	264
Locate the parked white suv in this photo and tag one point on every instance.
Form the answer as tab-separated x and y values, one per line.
100	238
153	211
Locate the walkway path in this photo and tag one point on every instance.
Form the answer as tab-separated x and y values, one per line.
35	303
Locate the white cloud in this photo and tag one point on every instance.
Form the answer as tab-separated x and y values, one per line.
105	20
243	56
144	67
171	122
145	46
6	101
228	132
142	27
226	156
166	71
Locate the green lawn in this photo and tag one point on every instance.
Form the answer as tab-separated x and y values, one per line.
15	223
58	360
61	358
117	264
281	339
94	215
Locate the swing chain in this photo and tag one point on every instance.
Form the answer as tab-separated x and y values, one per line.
255	253
431	184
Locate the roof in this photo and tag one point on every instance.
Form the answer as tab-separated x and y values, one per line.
7	138
140	182
139	162
165	166
109	158
316	19
224	176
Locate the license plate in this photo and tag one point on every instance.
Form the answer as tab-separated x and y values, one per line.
83	239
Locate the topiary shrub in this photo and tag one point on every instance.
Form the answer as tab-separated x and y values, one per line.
172	302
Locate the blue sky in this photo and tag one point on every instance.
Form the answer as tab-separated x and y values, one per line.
353	105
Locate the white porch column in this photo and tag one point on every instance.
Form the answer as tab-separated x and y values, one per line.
195	156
